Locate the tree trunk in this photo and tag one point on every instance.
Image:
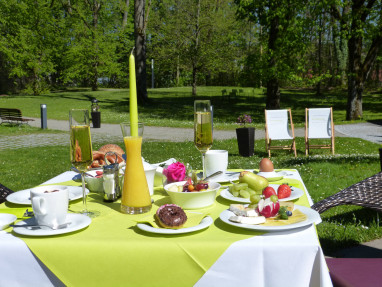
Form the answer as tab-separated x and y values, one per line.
177	72
355	82
125	14
319	52
196	51
273	91
94	80
194	72
140	49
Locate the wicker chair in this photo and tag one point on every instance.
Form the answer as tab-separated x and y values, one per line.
4	192
366	193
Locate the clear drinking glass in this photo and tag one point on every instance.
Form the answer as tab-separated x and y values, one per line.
135	192
203	128
81	154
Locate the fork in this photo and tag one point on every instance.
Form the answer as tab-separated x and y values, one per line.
54	227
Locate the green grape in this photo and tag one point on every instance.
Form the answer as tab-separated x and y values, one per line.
255	198
231	189
254	206
274	198
244	193
251	191
235	193
240	186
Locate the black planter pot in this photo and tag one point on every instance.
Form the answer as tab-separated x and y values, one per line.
246	141
96	119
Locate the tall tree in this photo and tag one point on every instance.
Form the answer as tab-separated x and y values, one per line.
95	27
140	23
30	38
283	30
194	42
363	21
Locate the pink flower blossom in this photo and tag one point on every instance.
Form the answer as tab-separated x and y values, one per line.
175	172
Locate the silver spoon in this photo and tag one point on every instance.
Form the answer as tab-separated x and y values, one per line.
54	227
213	175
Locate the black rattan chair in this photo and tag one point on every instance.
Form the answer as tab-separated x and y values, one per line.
4	192
366	193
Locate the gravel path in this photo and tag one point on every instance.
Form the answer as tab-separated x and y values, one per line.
112	133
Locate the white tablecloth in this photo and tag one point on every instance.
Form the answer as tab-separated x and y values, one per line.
257	261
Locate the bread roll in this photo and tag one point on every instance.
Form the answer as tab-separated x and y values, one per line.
112	147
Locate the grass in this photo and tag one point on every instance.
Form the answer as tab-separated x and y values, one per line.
16	130
323	175
173	107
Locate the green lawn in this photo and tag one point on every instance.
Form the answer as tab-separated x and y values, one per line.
322	173
174	106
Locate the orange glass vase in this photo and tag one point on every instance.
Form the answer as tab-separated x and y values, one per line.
135	193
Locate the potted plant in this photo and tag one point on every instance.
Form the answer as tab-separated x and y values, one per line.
245	136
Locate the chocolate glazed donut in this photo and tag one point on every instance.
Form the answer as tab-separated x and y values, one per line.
171	216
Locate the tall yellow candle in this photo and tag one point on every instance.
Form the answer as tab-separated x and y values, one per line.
133	96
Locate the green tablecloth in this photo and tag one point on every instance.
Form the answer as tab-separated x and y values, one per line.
112	251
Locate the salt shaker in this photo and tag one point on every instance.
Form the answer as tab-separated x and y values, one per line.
111	186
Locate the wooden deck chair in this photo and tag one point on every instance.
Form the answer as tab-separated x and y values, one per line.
319	125
277	128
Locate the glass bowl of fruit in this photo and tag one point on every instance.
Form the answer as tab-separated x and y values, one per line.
190	195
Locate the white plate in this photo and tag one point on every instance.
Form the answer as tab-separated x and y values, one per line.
206	221
77	222
23	196
296	193
6	219
312	217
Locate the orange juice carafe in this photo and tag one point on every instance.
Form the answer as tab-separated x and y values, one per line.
135	193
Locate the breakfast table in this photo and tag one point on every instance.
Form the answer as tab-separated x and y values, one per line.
113	251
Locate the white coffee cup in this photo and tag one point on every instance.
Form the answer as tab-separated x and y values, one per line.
50	205
216	160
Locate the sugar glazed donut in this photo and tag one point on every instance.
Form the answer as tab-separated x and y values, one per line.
171	216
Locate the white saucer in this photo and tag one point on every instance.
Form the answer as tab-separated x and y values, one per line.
23	196
272	176
226	177
312	217
6	219
206	221
77	222
296	193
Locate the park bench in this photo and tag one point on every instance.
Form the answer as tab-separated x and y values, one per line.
12	116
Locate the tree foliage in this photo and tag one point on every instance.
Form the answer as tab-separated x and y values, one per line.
47	44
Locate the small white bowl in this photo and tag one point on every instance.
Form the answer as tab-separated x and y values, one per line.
94	184
195	199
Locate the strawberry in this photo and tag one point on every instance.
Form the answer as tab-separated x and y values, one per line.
269	191
284	191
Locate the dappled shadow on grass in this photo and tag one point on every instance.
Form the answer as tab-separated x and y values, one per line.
328	158
354	215
344	222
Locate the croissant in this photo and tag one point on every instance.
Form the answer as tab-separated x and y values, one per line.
99	156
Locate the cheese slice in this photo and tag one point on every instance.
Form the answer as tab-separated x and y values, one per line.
240	210
248	220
